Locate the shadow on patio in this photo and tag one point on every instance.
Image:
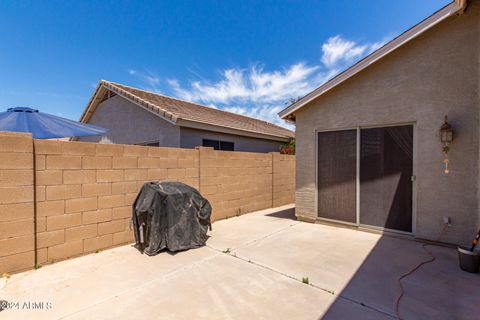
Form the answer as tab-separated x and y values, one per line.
438	290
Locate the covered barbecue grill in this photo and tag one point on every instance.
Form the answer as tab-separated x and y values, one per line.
170	215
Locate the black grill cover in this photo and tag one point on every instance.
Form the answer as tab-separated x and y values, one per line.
170	215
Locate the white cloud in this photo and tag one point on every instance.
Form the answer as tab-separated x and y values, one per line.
149	78
261	93
249	85
337	51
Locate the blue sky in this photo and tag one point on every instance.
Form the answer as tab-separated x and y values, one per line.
244	56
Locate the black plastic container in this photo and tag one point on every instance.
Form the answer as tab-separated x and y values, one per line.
469	261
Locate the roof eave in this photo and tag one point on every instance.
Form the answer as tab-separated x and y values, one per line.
437	17
201	125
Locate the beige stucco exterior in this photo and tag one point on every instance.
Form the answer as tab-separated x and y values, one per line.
433	75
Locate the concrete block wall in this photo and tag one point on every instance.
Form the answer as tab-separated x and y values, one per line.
16	202
235	182
85	191
283	179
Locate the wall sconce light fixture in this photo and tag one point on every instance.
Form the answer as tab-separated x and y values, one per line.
446	137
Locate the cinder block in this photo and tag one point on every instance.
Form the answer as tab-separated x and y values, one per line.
79	176
148	162
64	162
41	224
157	174
109	149
82	204
124	162
42	255
50	238
187	163
96	162
49	177
16	194
102	242
65	250
40	162
157	152
192	172
110	227
10	160
111	201
96	216
78	148
96	189
110	175
16	144
136	151
41	193
61	192
122	212
50	208
12	178
176	173
16	245
64	221
130	198
208	190
81	232
14	211
124	187
168	163
10	229
47	147
17	262
123	237
136	174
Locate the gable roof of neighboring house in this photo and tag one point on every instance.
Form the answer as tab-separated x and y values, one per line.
185	113
456	7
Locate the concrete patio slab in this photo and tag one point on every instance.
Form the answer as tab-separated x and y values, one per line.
352	274
239	231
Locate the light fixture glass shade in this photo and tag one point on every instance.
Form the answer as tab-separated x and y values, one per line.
446	132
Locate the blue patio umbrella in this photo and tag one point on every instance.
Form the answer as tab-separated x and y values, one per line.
44	125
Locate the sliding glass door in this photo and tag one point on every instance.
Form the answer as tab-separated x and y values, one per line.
337	172
386	169
377	160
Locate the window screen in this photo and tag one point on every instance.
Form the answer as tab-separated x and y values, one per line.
386	168
337	172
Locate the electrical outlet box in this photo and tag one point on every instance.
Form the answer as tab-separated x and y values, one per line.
447	221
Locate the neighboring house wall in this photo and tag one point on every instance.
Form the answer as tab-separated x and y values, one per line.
191	138
433	75
131	124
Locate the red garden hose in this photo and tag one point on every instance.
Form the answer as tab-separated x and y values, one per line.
432	258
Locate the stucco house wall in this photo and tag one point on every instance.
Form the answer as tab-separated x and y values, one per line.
130	124
191	138
433	75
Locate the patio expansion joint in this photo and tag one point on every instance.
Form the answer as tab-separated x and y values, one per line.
331	292
265	267
274	233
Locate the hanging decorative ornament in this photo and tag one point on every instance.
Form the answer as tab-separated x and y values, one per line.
446	137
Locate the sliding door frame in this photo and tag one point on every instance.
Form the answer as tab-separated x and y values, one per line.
357	191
